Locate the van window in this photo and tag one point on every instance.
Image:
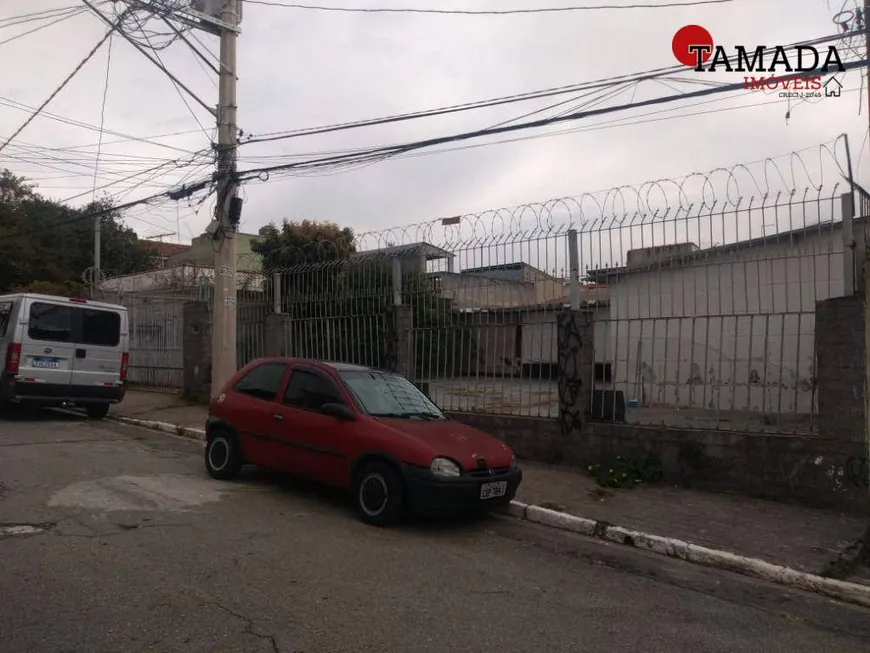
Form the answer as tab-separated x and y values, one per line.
51	322
5	316
100	328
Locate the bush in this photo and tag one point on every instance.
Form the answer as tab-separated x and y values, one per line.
627	472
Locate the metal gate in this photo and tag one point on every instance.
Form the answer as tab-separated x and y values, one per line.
156	343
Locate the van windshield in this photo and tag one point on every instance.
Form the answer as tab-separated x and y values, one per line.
5	316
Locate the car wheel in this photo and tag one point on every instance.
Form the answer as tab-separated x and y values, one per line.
97	411
223	457
378	495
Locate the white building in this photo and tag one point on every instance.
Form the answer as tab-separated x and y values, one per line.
724	328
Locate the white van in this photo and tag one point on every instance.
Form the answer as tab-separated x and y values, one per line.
63	351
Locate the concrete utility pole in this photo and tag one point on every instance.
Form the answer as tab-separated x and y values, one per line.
223	350
97	225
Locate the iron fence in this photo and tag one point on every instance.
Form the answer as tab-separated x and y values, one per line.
701	294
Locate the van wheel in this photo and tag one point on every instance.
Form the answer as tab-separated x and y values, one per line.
97	411
378	495
223	456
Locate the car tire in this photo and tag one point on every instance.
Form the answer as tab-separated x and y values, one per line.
223	456
378	495
97	411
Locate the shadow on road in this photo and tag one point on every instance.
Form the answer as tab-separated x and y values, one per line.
23	413
339	500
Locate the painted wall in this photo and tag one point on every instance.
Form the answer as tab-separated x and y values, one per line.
201	252
731	333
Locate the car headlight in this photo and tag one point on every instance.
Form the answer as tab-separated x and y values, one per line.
514	464
444	467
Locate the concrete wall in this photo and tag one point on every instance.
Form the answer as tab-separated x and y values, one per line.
811	471
201	252
731	333
840	353
474	291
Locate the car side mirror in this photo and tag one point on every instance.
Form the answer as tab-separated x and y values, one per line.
338	411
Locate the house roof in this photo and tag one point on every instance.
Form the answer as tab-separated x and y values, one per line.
604	275
429	251
163	249
519	265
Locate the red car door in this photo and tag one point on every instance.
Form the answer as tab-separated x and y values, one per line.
323	444
251	406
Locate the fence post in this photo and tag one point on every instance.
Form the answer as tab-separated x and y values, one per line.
196	354
847	202
400	351
575	368
278	335
397	281
574	265
276	293
865	548
859	231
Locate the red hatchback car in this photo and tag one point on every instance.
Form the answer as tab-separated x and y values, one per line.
355	427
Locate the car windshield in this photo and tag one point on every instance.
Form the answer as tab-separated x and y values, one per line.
381	394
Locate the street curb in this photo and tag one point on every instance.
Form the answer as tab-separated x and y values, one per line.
665	546
163	427
699	555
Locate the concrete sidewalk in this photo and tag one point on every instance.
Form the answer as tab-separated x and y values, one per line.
804	539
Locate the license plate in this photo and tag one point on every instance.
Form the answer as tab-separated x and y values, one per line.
493	490
50	363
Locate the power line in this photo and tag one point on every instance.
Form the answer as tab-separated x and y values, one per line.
72	14
482	12
480	104
393	150
48	14
13	104
604	83
102	116
177	89
174	195
154	61
62	85
612	124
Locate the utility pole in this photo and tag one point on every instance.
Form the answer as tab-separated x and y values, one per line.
223	350
96	282
866	26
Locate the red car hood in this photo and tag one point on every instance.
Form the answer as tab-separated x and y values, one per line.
455	440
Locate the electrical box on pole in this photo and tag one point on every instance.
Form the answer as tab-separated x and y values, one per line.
206	15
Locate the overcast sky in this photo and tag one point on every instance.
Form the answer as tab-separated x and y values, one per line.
300	68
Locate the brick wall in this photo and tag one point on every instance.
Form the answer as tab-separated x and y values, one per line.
840	368
812	471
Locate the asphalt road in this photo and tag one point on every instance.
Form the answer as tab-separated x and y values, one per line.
113	539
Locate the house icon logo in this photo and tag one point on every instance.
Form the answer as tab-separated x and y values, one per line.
833	87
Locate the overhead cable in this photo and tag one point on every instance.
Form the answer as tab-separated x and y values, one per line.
62	85
484	12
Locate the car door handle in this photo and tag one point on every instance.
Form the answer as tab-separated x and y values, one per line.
277	417
80	353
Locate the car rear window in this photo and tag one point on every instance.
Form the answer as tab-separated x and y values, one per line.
53	322
5	316
100	328
73	324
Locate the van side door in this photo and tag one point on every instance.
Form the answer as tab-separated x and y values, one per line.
47	342
99	346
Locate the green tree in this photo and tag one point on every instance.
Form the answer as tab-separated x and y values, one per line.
47	245
338	299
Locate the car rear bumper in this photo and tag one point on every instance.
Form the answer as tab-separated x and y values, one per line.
430	495
52	394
